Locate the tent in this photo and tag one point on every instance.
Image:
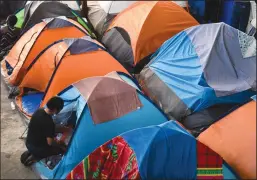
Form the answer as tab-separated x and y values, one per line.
199	121
101	13
67	59
34	11
193	74
165	151
234	138
139	31
28	47
106	106
9	7
74	5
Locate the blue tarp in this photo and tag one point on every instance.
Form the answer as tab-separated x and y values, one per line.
31	102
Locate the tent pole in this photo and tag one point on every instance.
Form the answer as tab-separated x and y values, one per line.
23	133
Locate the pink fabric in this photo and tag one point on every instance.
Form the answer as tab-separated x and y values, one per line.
108	98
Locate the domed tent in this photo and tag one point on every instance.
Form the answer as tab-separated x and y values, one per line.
164	151
234	138
33	13
193	74
102	103
74	5
139	30
37	10
101	13
24	9
28	47
70	59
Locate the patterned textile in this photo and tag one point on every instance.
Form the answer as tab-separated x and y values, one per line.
113	160
247	44
209	163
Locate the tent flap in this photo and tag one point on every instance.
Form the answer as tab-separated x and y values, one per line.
159	92
117	99
118	44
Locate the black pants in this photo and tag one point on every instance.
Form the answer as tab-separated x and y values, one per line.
43	152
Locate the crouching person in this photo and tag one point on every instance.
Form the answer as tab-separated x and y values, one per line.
41	131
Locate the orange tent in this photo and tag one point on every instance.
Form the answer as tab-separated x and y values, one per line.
32	42
234	138
140	30
62	64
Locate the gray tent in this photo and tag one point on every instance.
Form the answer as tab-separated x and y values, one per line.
101	13
35	11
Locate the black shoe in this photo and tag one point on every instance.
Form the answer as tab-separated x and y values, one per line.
24	156
30	160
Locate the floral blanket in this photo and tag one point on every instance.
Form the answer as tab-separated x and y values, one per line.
113	160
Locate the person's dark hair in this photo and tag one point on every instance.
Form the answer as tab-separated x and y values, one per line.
55	103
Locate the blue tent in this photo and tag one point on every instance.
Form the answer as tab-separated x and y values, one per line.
165	151
200	67
105	107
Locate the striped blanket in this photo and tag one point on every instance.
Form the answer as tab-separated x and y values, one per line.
209	163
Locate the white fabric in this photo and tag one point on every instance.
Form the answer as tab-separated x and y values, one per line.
72	4
252	17
99	10
247	44
28	2
114	7
181	3
253	23
96	15
105	5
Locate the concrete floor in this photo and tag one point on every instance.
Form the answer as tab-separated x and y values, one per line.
12	147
